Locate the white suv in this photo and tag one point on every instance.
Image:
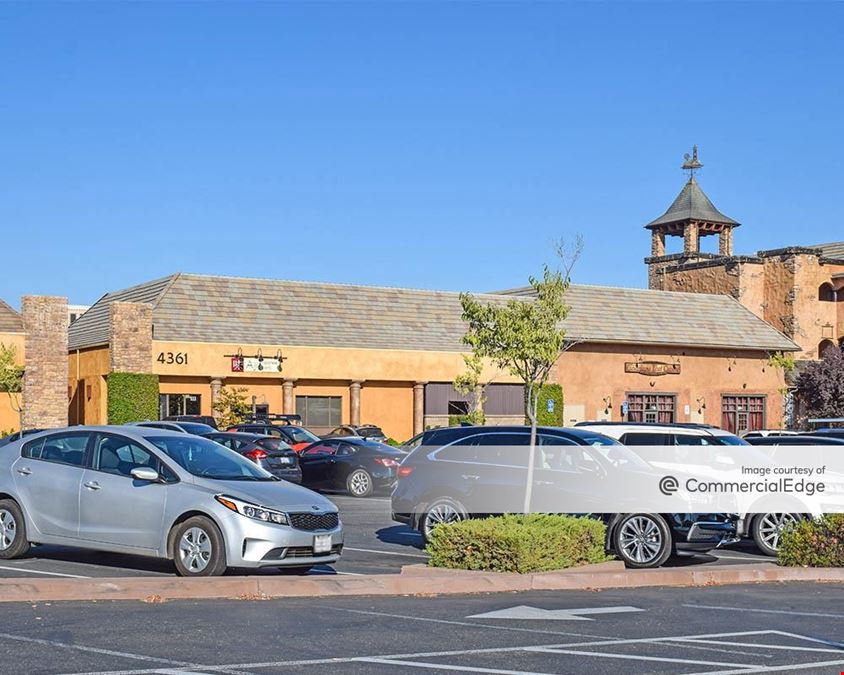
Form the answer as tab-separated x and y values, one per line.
764	528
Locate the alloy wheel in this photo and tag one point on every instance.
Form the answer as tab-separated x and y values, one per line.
641	539
771	526
8	529
442	512
195	550
359	483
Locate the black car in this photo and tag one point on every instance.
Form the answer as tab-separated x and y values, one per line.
202	419
296	437
368	431
828	433
356	465
450	467
790	439
268	452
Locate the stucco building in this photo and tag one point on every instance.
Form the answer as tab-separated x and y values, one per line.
799	289
11	335
349	354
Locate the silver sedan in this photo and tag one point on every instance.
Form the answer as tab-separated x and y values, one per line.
153	492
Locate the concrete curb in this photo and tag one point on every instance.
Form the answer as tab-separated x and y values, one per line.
414	580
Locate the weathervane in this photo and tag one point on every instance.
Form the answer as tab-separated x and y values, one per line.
692	163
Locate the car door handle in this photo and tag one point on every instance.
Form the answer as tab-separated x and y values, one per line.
468	476
92	485
24	471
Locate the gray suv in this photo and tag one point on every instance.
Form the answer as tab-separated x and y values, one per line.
154	492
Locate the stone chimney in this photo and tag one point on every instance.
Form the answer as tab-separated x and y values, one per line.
46	376
130	337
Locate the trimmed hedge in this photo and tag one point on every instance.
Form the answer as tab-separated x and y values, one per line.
518	543
550	392
132	397
814	543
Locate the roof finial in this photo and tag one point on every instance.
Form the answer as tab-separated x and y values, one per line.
692	163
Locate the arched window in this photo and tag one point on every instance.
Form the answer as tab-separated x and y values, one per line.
826	293
824	345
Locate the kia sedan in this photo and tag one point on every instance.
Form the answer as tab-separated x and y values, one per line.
153	492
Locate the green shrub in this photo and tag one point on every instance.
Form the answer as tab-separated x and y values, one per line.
392	442
554	418
132	397
814	543
518	543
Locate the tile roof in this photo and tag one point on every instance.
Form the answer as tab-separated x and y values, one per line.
692	204
834	249
196	308
10	320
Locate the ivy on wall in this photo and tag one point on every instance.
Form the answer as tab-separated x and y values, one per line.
554	416
132	397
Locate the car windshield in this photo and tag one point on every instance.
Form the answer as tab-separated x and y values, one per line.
207	459
196	428
300	435
271	443
614	452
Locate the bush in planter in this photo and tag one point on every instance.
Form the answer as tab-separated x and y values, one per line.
518	543
814	543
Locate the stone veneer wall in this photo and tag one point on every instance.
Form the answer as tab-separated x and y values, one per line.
45	377
130	337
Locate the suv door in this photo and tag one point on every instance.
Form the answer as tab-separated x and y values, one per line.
566	474
114	508
48	476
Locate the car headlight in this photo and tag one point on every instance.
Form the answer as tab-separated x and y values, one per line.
253	511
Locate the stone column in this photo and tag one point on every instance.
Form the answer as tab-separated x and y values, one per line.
725	241
691	238
657	243
288	405
216	386
418	408
45	380
354	401
130	337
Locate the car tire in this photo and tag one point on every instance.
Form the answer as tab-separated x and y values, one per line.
359	483
198	548
441	510
13	542
766	530
642	540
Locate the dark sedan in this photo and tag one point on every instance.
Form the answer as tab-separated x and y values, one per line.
268	452
296	437
356	465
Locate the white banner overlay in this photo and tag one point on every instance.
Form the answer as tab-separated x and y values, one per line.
653	479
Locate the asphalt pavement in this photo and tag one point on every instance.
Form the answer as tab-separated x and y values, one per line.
741	629
374	544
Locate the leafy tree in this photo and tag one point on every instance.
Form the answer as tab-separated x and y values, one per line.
524	337
820	385
11	376
232	406
470	383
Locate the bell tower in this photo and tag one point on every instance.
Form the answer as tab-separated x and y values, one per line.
691	216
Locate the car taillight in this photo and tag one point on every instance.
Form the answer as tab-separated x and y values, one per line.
386	461
405	471
256	454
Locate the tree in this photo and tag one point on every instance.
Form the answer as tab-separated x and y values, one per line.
11	376
470	383
820	385
232	406
524	336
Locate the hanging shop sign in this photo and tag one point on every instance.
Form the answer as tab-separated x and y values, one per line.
652	368
257	363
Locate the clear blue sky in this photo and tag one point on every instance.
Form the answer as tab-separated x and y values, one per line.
424	144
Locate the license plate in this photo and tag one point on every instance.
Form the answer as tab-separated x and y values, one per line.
285	460
322	543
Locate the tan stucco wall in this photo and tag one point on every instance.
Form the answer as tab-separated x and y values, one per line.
9	416
390	406
589	373
88	368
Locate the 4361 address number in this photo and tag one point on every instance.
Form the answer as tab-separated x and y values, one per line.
170	358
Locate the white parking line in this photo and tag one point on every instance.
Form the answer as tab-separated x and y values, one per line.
757	646
636	657
772	669
26	570
765	611
442	666
398	553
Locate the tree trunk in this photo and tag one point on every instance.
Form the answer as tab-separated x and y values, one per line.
531	410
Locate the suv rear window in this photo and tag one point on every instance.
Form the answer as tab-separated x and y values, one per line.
644	438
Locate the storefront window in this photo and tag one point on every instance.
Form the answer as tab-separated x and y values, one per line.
742	413
653	408
320	411
179	404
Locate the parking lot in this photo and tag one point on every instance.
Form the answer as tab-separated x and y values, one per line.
374	545
743	629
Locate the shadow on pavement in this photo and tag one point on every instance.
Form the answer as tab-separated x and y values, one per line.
401	535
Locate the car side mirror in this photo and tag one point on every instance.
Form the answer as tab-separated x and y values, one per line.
145	474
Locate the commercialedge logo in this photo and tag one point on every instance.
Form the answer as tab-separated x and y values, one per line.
668	485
